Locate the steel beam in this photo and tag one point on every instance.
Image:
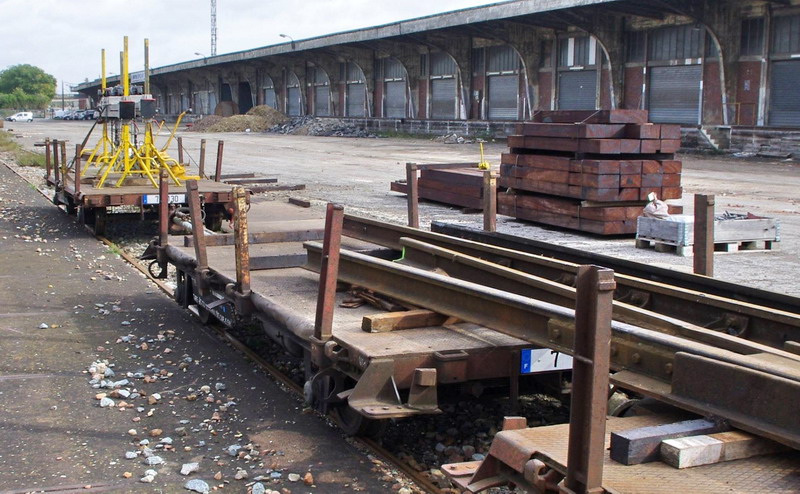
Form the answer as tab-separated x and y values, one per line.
767	325
643	353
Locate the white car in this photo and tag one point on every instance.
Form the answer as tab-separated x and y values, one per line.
23	116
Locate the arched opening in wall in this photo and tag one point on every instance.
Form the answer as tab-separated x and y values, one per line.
503	69
355	90
784	74
444	86
245	97
675	74
294	106
579	63
270	97
321	91
225	93
395	88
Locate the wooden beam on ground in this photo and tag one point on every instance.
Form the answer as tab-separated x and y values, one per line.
246	181
392	321
275	188
643	445
708	449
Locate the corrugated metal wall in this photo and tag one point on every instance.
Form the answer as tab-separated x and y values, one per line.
577	90
784	98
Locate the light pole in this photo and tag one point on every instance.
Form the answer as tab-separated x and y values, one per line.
289	38
205	59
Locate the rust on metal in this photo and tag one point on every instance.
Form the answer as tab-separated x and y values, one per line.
47	160
329	269
180	149
198	232
201	165
589	399
242	246
218	169
77	170
704	234
413	194
489	201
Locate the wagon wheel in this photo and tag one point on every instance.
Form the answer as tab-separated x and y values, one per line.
355	424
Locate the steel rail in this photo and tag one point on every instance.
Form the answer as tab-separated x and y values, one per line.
476	270
652	360
764	324
689	281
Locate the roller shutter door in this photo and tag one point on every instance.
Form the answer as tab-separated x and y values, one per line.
395	103
443	99
503	96
269	97
674	95
356	96
322	105
293	102
577	90
784	97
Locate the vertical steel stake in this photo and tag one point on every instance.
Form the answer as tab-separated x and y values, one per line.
590	367
412	194
163	207
218	171
241	241
329	272
47	163
489	201
78	151
193	197
704	234
180	150
63	160
56	166
202	164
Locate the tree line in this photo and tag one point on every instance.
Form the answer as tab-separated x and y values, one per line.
26	87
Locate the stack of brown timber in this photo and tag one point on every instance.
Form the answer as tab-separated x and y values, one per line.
592	176
456	186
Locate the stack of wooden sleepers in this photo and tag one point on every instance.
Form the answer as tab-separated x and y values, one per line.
589	170
455	186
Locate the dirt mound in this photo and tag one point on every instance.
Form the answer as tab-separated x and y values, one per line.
271	115
241	123
205	123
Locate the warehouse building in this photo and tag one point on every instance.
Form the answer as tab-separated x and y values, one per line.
723	68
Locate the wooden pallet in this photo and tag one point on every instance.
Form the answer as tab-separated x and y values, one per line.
661	245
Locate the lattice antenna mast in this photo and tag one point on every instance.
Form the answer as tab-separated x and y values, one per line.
213	28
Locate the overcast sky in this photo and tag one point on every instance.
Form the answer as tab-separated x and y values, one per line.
64	37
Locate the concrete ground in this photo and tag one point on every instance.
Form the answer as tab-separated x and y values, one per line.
69	304
357	172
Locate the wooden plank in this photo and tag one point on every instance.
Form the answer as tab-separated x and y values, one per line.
708	449
630	181
671	131
463	190
635	446
450	198
246	181
651	166
540	161
672	166
237	175
650	146
599	167
573	131
671	192
643	131
652	179
399	186
297	201
393	321
671	180
670	145
591	116
275	188
542	174
630	167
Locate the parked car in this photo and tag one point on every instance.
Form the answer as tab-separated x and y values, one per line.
23	116
68	115
78	115
90	115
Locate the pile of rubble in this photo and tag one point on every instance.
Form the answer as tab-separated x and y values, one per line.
454	139
314	126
